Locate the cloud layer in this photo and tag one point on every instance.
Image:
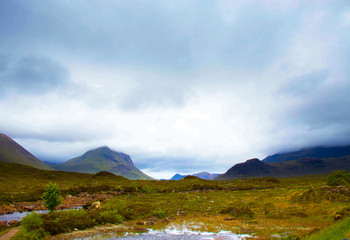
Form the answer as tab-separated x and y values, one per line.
188	85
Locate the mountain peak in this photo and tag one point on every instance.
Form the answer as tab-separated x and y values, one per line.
12	152
104	159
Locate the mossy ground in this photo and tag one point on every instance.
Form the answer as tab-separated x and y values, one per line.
288	207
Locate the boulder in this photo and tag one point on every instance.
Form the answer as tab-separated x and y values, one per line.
13	223
28	208
96	205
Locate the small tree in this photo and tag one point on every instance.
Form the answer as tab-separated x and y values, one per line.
52	196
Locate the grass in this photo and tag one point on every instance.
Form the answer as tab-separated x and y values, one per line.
288	207
337	231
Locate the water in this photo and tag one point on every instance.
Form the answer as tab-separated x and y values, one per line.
18	216
172	233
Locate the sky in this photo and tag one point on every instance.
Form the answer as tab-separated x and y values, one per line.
180	86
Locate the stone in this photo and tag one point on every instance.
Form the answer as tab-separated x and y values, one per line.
13	223
338	216
96	205
28	208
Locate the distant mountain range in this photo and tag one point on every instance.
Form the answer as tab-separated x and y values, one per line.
315	152
103	159
319	160
202	175
12	152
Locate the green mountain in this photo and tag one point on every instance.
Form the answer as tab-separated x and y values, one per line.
290	168
12	152
103	159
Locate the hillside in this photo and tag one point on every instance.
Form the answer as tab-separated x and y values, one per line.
12	152
299	167
316	152
103	159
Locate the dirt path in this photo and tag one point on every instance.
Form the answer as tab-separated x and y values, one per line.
10	234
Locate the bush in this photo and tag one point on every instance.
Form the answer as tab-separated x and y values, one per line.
31	221
160	213
29	235
338	177
239	211
63	221
147	189
52	196
111	216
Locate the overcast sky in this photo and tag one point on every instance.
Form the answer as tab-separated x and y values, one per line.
181	86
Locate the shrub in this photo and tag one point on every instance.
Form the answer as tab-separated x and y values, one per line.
239	211
160	213
338	177
111	216
63	221
31	221
147	189
52	196
29	235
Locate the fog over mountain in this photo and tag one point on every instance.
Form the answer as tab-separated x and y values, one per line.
193	86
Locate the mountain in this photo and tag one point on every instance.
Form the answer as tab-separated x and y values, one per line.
177	177
12	152
290	168
202	175
103	159
206	175
316	152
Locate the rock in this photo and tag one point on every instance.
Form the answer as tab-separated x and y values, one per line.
28	208
13	223
140	229
150	223
96	205
338	216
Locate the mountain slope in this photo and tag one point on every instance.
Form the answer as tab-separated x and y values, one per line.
316	152
103	159
177	177
12	152
299	167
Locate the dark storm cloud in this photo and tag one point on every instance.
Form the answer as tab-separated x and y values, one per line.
32	75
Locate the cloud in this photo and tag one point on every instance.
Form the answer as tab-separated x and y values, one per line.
33	75
188	85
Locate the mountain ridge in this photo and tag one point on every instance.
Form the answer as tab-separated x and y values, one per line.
12	152
313	152
202	175
103	159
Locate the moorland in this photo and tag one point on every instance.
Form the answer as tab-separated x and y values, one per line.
287	208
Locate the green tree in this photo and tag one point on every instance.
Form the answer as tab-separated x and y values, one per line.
52	196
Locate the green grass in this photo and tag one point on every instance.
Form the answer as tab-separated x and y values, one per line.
336	231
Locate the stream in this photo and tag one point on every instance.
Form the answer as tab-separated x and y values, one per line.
172	233
18	216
